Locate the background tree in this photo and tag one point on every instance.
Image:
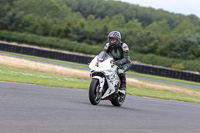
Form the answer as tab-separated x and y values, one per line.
84	23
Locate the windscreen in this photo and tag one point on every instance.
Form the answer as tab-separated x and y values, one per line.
102	56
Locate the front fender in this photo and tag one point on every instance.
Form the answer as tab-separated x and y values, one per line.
101	81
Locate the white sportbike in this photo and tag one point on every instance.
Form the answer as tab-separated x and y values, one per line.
105	82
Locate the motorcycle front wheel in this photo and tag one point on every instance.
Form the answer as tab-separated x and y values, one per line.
94	94
118	100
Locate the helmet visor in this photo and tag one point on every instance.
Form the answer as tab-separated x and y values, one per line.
112	40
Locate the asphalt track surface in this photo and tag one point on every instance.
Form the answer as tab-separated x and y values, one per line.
131	76
26	108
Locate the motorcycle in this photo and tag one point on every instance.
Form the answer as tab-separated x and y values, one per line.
105	82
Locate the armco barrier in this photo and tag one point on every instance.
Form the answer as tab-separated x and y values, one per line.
45	53
153	70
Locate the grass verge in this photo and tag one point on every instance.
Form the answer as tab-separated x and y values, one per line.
33	77
86	66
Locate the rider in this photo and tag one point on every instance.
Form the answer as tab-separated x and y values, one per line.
120	52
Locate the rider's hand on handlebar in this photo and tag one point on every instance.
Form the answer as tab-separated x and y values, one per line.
118	63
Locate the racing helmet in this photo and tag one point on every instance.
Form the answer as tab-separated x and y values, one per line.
114	38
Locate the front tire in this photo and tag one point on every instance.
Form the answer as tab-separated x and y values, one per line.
118	100
94	95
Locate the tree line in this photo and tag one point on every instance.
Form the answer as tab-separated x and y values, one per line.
145	30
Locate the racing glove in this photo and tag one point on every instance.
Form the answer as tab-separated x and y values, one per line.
118	63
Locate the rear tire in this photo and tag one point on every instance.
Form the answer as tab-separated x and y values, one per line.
118	100
94	96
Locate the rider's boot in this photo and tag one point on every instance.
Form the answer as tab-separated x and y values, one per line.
122	88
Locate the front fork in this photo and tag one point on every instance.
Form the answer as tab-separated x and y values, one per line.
101	82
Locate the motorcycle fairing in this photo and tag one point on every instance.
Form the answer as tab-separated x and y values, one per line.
105	66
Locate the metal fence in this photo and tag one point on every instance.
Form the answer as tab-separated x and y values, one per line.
153	70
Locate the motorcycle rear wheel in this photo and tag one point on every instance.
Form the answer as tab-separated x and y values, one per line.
118	100
94	95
